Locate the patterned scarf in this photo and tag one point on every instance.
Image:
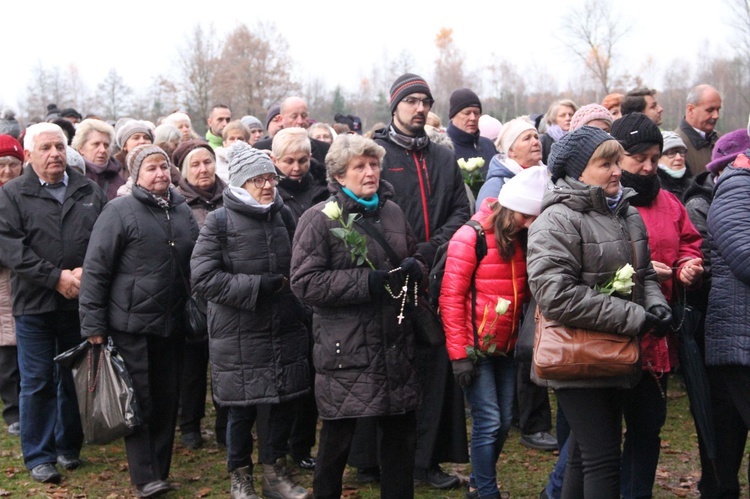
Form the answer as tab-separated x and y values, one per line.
163	201
408	143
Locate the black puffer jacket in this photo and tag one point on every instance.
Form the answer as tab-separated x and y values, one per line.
299	196
578	242
697	200
429	189
728	317
257	343
363	357
133	273
40	237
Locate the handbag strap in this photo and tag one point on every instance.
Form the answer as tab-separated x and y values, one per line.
480	248
380	239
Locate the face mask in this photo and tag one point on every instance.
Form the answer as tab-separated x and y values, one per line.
673	173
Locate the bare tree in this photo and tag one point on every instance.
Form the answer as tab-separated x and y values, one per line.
113	96
507	90
198	63
593	33
449	70
254	70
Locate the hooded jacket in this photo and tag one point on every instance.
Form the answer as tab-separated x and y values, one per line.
497	175
728	316
471	145
364	359
136	267
40	237
257	343
429	189
578	242
494	278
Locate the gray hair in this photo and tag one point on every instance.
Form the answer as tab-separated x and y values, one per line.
32	132
549	118
89	125
696	94
347	147
166	133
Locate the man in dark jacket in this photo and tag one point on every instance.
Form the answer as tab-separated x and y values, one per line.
463	130
48	213
430	191
697	128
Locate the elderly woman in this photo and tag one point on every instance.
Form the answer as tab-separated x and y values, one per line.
322	132
518	148
203	190
133	291
676	257
672	171
93	140
167	137
558	118
234	131
11	164
364	344
131	134
257	338
585	233
183	123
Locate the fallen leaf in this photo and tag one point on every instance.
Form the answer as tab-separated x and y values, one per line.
203	492
4	493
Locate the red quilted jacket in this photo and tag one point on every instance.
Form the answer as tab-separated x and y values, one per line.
495	278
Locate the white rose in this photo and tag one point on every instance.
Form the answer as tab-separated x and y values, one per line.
462	163
625	273
502	306
332	210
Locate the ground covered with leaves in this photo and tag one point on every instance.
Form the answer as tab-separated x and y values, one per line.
202	473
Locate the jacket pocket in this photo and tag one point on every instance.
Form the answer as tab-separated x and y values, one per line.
339	344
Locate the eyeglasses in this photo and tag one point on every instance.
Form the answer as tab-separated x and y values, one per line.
413	101
674	152
260	182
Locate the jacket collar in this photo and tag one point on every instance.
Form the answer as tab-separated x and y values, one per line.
462	138
695	138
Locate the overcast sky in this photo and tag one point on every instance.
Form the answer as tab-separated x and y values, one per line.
336	41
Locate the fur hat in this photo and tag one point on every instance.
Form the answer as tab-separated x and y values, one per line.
406	84
571	154
246	162
637	132
672	140
9	146
138	154
524	192
589	113
727	148
9	124
511	131
461	99
131	127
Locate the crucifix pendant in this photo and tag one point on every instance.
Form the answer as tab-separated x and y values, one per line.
400	317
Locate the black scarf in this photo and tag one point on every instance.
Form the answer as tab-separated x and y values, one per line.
407	142
646	187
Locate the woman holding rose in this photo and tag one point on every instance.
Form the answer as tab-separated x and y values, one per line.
364	341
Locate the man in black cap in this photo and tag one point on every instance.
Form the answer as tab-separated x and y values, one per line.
429	189
463	130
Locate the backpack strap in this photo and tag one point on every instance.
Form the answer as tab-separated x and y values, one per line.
221	219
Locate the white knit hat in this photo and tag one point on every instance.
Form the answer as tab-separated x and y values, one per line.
511	131
524	192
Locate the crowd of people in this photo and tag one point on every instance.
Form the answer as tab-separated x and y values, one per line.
311	247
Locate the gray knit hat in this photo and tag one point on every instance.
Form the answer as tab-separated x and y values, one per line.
246	162
136	156
9	125
672	140
571	154
132	127
251	122
75	160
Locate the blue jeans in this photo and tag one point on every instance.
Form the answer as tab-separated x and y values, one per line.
490	398
50	423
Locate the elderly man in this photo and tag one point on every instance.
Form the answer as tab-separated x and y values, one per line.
697	128
47	216
430	190
293	113
642	100
463	129
219	116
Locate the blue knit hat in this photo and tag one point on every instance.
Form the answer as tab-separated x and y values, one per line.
571	154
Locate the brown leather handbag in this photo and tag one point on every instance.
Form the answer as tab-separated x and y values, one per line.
568	353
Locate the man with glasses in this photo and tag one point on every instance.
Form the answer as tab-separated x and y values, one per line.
430	190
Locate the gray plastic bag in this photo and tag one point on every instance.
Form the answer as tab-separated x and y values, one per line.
106	400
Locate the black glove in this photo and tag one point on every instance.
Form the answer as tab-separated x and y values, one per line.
464	371
410	266
270	284
376	281
652	324
664	316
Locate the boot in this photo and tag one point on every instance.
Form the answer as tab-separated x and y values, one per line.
242	484
277	483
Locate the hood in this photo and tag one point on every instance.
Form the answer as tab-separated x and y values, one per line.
231	202
498	169
701	185
192	196
582	197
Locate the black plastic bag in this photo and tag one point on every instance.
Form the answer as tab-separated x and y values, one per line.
106	400
196	322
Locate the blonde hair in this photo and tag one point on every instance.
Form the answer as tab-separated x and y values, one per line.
609	149
290	141
89	125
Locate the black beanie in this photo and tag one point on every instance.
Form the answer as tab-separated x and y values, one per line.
461	99
571	154
407	84
637	132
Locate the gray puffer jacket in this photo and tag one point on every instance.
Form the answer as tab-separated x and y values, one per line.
363	358
257	343
578	242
